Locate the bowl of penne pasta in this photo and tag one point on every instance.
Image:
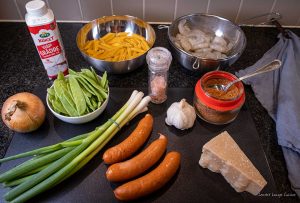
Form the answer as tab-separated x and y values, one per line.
116	44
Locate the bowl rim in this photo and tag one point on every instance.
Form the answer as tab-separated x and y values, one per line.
77	117
206	15
133	18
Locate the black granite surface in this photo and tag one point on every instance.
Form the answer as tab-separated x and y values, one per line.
22	70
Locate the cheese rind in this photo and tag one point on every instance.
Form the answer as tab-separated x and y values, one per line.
222	155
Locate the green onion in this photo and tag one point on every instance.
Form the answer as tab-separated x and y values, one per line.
80	150
31	165
22	179
44	150
17	181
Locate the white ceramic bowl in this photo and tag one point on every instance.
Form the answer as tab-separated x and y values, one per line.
80	119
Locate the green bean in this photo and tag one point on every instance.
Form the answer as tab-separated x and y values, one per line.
104	81
51	94
68	93
51	91
84	90
102	95
90	88
69	90
55	108
92	82
88	102
89	74
86	95
96	76
94	102
72	72
60	76
51	100
57	105
95	86
72	96
64	96
83	83
77	95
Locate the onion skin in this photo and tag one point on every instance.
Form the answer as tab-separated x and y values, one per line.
23	112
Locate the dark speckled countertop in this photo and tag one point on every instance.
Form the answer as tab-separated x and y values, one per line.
22	70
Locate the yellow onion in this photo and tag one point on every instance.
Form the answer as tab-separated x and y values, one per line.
23	112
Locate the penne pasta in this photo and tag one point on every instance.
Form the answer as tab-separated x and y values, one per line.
117	46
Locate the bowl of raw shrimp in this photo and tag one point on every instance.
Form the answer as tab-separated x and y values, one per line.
203	42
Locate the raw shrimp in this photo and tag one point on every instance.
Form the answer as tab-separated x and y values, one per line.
197	39
219	40
179	36
185	44
177	43
196	32
211	55
183	29
201	44
219	48
197	42
217	54
223	56
208	49
198	35
230	45
219	44
200	54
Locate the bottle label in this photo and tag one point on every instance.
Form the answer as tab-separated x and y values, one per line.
50	48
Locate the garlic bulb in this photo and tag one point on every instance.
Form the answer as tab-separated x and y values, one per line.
181	115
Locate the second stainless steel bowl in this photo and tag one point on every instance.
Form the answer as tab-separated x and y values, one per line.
101	26
209	24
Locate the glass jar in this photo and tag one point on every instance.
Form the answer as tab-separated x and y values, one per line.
216	106
158	60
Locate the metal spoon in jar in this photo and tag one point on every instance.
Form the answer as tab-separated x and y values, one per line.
269	67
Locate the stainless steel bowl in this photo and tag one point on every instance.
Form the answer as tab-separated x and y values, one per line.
209	24
101	26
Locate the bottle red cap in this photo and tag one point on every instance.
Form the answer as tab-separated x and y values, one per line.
217	104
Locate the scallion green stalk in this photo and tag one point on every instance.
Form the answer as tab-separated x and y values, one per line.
83	149
33	164
44	150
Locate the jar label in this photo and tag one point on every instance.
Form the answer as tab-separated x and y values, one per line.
50	48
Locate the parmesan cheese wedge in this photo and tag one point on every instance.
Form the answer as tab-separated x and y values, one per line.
222	155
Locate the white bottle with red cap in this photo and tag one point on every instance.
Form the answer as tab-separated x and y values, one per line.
44	31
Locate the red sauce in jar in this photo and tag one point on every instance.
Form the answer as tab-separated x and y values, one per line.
215	106
230	94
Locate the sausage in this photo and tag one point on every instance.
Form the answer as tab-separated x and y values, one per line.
138	164
150	182
131	144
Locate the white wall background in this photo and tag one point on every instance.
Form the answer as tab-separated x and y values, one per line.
159	10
